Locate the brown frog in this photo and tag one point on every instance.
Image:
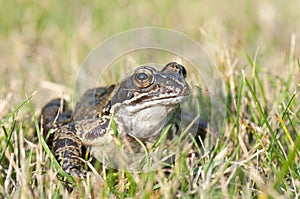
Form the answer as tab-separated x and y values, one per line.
128	117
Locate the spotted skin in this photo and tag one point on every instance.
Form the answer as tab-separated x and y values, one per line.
130	103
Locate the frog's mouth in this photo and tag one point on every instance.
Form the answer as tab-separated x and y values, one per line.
160	94
149	102
152	100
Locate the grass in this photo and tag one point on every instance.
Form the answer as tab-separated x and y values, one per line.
256	50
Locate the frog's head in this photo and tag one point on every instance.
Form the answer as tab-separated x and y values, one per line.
143	103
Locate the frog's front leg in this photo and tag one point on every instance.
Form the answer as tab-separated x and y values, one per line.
67	148
70	141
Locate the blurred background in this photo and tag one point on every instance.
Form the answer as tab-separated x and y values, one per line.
43	43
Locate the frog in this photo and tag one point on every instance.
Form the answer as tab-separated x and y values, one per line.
132	114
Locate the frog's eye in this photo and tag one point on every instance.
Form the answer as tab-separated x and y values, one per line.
175	67
182	70
143	78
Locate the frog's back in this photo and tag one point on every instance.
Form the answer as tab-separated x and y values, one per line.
92	103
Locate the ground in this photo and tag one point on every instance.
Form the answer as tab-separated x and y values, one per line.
256	48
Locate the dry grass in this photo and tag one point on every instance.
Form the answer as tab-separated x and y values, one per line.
255	45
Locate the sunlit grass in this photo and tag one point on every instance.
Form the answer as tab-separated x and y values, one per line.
256	50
